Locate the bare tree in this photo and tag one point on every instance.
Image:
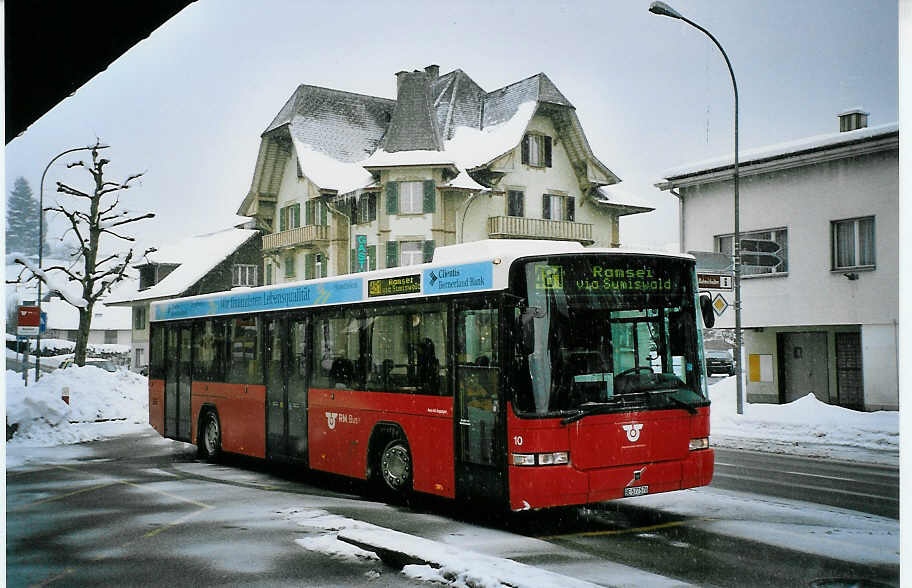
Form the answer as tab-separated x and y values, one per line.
93	214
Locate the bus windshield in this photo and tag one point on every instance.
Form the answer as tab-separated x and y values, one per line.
605	334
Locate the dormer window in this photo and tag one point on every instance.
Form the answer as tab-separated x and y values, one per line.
536	150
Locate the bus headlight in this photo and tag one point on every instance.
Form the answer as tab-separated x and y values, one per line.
701	443
531	459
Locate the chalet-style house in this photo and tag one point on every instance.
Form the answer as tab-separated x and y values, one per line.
196	265
820	258
347	182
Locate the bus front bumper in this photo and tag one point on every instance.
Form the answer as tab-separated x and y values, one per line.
564	485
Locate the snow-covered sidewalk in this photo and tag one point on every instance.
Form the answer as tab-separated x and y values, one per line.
806	427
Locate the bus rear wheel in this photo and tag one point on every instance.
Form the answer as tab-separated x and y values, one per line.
210	438
396	466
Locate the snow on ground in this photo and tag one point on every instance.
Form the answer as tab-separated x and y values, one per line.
102	404
806	427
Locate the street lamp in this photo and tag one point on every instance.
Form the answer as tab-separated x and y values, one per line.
41	243
663	9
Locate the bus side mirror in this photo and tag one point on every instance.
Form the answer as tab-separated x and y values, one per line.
526	317
706	309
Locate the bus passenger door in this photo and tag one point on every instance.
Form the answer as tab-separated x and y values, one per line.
286	389
177	383
479	440
184	377
276	400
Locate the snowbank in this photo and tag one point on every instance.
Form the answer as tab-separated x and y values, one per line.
806	426
43	419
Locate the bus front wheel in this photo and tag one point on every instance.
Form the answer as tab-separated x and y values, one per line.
396	466
210	439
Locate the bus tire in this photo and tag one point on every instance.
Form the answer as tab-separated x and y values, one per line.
395	467
210	437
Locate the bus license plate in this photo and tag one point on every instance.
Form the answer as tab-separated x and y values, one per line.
636	491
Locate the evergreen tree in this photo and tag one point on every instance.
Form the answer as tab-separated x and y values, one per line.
22	217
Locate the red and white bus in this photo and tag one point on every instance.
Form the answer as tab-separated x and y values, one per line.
529	373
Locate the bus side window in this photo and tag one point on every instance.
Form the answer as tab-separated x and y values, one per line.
157	352
336	350
244	356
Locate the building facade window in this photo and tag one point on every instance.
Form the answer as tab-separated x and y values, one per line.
515	203
110	336
139	358
139	318
762	252
315	213
290	217
411	252
315	266
243	275
536	150
558	207
269	277
853	243
365	209
411	197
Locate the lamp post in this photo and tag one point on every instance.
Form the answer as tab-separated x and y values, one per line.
663	9
41	242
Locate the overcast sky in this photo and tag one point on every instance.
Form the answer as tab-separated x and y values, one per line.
188	104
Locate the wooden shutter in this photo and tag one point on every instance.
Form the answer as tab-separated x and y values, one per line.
309	265
353	210
372	254
289	266
428	251
392	198
324	266
323	211
546	206
354	261
296	211
547	151
309	213
283	224
392	254
525	149
430	196
372	207
571	208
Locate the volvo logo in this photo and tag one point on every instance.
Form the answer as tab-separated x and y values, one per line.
633	431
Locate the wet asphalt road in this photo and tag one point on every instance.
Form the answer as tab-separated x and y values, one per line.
142	511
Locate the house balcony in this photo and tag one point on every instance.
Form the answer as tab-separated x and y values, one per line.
518	227
309	236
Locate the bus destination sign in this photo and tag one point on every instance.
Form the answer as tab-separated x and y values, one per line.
600	278
410	284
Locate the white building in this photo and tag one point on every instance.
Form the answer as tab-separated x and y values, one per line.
823	318
346	182
110	325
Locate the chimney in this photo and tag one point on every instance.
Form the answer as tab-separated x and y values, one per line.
400	75
413	125
433	72
852	120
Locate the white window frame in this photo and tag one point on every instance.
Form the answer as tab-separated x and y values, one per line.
856	243
536	150
411	252
411	197
139	318
243	275
558	204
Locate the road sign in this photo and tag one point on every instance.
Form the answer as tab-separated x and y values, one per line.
712	261
29	320
719	304
44	322
714	281
760	253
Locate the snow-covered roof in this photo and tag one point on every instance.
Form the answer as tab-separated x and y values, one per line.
194	256
783	149
615	195
435	121
61	315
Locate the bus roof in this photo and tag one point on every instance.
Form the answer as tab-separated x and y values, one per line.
456	269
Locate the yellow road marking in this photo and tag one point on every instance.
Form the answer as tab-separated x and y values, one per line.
62	496
619	531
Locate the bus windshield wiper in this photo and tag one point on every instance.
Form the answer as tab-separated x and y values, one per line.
675	400
586	410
